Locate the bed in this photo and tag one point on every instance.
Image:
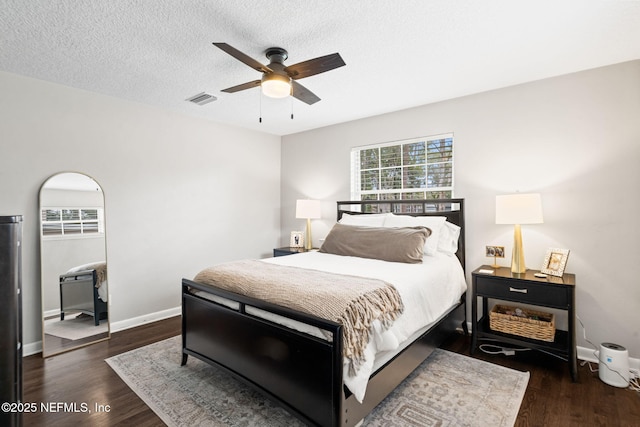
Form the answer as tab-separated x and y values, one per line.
83	290
299	359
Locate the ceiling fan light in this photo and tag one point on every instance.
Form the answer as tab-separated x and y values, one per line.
276	86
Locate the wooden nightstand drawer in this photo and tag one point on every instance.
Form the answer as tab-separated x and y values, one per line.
522	291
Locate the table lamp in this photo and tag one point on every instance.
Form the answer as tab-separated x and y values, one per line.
308	209
518	209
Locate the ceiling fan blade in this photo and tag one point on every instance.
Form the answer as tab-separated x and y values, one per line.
243	86
243	58
303	94
314	66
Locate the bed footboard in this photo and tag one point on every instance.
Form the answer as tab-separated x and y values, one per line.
302	373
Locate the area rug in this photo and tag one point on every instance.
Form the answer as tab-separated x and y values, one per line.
448	389
74	327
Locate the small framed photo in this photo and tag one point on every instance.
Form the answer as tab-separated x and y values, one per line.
297	239
495	251
555	261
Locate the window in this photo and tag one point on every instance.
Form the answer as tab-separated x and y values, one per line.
420	168
71	221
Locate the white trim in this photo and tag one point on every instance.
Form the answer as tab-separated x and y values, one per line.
587	354
355	171
404	141
36	347
32	348
144	319
51	313
584	353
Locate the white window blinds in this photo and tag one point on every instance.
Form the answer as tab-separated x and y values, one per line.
71	221
420	168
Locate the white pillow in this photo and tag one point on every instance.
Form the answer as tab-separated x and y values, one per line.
364	220
449	235
434	223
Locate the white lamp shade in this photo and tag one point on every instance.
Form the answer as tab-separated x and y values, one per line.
306	208
276	86
519	209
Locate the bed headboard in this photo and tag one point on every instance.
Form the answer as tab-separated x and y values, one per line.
453	209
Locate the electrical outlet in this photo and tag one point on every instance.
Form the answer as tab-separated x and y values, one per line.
635	373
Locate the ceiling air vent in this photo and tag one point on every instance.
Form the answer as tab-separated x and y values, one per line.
202	98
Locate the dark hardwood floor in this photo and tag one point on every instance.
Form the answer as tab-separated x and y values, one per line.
552	399
82	376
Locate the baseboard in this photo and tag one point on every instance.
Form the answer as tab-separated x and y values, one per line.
584	353
147	318
51	313
30	349
587	354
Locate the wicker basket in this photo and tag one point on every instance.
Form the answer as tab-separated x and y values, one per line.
531	324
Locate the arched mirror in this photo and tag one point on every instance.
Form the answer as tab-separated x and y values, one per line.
73	265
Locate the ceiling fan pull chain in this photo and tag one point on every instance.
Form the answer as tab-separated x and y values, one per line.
260	119
291	108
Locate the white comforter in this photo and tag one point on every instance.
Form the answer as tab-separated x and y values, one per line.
428	290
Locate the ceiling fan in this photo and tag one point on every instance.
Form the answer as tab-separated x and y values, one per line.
278	80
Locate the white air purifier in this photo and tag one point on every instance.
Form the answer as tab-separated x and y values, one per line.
613	368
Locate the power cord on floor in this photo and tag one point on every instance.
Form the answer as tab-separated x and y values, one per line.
498	349
634	382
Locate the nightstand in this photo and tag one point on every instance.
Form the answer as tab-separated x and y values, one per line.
290	251
551	292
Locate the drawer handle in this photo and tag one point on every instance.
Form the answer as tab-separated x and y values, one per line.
522	291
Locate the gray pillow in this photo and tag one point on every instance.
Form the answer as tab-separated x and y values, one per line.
402	244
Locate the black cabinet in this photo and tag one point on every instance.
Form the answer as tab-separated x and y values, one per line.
10	317
552	292
289	251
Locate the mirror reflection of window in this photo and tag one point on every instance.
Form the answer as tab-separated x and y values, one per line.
64	222
73	263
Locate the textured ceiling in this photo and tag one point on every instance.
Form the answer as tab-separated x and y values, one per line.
399	54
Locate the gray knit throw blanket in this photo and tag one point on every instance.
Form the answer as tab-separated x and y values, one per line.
355	302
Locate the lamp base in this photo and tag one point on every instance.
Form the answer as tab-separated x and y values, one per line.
307	240
517	256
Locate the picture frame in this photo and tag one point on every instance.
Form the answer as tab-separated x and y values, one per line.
555	262
297	239
495	252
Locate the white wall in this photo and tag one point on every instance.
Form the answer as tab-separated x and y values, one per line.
575	139
175	198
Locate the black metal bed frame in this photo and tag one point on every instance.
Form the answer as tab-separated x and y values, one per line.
300	372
